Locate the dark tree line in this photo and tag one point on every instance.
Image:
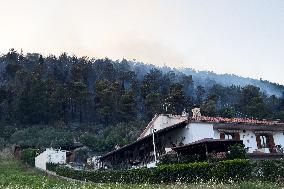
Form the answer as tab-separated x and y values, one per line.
73	93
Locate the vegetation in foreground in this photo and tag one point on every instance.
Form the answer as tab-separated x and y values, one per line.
14	174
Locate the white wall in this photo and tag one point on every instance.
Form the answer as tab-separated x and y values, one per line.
163	121
279	138
249	139
199	131
50	155
176	136
192	132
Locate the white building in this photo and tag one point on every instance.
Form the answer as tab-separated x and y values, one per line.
257	136
50	155
181	133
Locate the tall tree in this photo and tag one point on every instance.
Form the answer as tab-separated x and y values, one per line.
176	99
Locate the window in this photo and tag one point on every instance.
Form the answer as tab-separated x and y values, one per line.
263	141
228	136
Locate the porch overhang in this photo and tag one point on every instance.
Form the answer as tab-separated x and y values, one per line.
205	146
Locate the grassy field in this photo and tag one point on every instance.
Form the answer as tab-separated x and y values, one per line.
14	174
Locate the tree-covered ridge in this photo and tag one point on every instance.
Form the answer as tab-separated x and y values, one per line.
90	96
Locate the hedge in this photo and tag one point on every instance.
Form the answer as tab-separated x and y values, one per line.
201	171
28	156
238	169
51	166
184	172
269	170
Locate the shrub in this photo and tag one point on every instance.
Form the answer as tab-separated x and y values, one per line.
269	170
183	172
130	176
28	156
224	171
178	159
237	151
162	174
238	169
51	166
3	143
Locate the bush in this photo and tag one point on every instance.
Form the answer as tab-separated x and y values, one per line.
178	159
224	171
3	143
238	169
51	166
183	172
237	151
28	156
269	170
130	176
202	171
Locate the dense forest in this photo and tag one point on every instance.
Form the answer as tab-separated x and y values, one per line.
59	101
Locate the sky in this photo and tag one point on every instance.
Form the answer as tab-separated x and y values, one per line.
243	37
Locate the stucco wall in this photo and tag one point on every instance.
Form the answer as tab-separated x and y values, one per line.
50	155
279	138
191	132
199	131
163	121
175	136
249	139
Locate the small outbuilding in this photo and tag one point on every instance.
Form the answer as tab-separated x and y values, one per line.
50	155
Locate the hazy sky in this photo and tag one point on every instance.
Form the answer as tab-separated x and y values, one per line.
244	37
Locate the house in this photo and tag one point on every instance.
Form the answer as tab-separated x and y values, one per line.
198	135
50	155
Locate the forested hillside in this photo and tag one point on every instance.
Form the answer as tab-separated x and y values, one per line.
56	101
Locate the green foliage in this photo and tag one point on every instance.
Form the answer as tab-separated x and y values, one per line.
68	89
237	169
228	112
269	170
176	100
237	151
153	104
51	166
93	141
178	159
201	171
281	115
69	92
81	154
209	108
40	136
127	107
14	175
3	143
28	156
183	172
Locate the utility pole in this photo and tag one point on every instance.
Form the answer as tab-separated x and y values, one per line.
154	145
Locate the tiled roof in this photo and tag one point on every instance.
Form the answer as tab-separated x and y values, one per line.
236	120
